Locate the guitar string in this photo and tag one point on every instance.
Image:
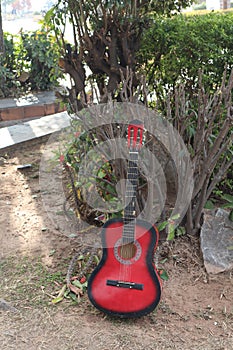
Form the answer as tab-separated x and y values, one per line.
132	175
126	250
123	249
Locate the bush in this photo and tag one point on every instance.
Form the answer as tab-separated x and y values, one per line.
30	62
175	49
188	63
40	54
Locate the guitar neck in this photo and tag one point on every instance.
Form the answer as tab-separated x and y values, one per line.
130	198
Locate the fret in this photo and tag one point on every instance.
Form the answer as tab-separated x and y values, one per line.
131	183
134	165
129	219
133	174
129	223
129	232
130	191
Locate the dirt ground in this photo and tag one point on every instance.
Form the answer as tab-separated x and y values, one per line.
196	310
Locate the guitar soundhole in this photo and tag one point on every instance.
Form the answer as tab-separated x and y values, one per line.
128	253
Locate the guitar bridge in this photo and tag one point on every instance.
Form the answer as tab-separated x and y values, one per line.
122	284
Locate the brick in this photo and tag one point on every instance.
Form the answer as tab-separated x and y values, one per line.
14	113
34	111
31	111
59	107
52	108
49	108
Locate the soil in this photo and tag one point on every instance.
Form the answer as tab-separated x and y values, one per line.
195	312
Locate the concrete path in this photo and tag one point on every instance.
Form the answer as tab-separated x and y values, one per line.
32	129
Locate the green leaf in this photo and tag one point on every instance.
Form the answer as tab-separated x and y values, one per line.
73	296
227	197
84	285
60	212
175	217
101	173
66	294
78	284
52	252
96	258
164	276
209	205
57	300
180	231
171	232
227	205
162	225
163	261
81	257
171	235
231	215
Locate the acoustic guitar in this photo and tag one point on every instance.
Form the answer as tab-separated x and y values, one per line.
126	282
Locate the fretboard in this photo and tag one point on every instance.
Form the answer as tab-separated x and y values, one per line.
130	198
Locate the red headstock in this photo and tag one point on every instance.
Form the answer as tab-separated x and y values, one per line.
135	134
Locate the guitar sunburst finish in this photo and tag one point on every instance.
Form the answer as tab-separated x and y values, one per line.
142	291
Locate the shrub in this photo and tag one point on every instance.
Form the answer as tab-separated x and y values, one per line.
40	54
30	63
175	49
174	52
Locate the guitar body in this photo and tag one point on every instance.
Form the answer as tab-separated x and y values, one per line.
126	284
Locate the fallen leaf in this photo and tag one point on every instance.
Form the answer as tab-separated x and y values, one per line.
57	300
75	289
163	275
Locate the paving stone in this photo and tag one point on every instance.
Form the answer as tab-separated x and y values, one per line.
32	129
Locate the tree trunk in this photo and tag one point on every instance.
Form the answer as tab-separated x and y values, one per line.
2	49
1	34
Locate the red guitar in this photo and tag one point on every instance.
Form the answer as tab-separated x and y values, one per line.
125	283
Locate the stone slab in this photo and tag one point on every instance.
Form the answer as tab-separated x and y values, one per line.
217	241
33	129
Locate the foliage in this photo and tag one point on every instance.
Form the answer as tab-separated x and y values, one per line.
175	49
39	49
30	62
101	174
205	122
106	38
229	199
7	67
171	228
185	59
186	78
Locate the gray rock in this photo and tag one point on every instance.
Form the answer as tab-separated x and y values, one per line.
5	306
217	241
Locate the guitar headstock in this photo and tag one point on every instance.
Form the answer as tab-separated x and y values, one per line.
135	135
